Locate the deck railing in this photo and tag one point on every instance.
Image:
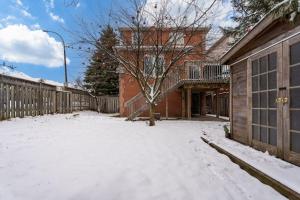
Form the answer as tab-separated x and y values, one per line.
207	72
204	73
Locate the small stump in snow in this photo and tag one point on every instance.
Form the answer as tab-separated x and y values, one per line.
157	116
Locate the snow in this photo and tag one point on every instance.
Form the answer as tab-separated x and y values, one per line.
94	156
221	117
284	172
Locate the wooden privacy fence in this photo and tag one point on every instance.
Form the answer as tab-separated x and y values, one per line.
108	104
20	98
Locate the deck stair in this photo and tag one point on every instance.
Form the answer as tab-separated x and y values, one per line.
200	75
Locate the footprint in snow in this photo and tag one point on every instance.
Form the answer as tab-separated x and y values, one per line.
191	141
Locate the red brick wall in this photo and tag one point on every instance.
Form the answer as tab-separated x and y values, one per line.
129	87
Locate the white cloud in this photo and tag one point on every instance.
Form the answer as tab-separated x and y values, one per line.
221	15
78	5
49	4
35	26
23	9
218	15
25	13
177	9
20	44
56	17
19	2
7	20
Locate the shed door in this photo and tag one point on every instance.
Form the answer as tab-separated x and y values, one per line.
275	100
266	113
291	100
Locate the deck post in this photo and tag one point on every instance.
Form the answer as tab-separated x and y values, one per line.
167	107
212	103
218	104
183	103
203	103
189	103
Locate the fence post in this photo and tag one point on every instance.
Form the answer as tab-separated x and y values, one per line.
80	102
71	102
40	100
7	101
12	101
17	99
53	97
30	101
1	98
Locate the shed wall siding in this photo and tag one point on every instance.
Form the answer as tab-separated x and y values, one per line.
239	102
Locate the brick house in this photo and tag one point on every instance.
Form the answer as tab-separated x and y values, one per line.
190	90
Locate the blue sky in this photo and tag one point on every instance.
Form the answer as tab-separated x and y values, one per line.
51	15
38	54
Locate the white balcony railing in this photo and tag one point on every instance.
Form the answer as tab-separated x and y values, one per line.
207	72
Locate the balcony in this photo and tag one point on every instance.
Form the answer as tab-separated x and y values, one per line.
199	72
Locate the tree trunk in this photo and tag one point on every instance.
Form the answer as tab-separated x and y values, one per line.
97	105
151	115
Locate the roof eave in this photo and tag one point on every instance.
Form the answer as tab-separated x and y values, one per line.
265	22
205	29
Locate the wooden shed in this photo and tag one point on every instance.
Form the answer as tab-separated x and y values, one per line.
265	88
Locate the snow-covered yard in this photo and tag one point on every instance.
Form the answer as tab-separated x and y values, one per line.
92	156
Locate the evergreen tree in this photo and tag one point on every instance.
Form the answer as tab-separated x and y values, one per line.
101	76
249	12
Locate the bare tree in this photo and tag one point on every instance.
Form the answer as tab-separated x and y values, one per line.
148	24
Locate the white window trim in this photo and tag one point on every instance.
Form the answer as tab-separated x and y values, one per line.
133	40
179	41
154	71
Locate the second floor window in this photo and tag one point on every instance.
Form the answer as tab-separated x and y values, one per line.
176	38
154	65
135	37
193	68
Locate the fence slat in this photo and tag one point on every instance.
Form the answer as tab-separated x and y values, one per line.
12	100
7	101
21	101
17	93
20	98
1	101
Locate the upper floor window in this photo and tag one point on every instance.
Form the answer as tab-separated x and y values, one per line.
154	65
122	39
176	38
193	68
135	38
